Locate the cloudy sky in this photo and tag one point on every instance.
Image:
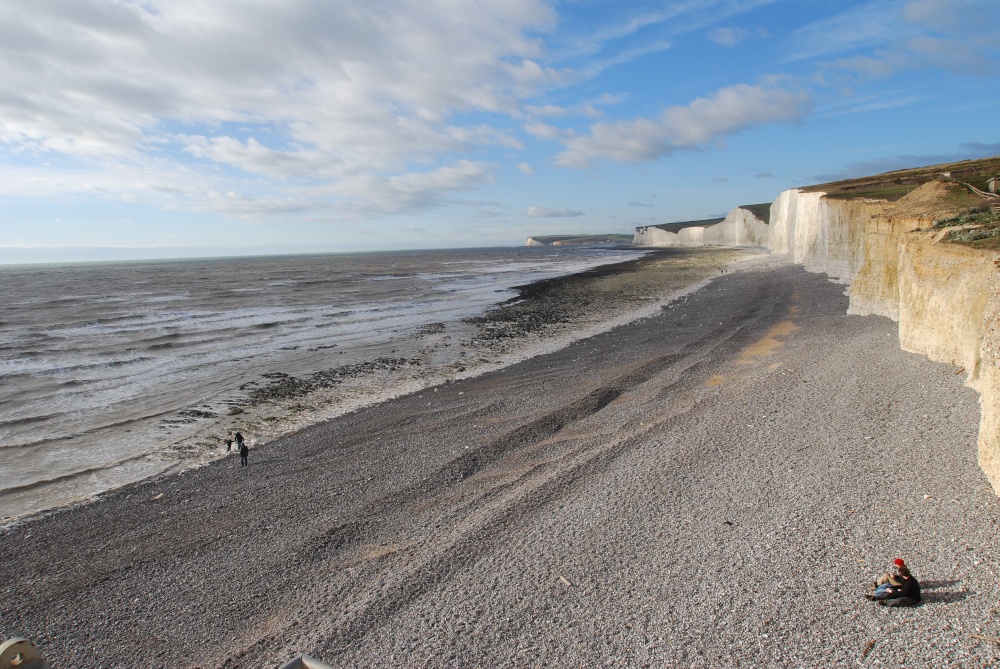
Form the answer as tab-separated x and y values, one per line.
155	128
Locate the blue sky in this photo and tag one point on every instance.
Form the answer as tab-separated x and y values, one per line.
146	128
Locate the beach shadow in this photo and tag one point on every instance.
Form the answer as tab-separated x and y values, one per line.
943	597
932	593
934	585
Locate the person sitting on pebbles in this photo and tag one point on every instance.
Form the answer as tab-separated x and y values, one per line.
890	579
900	588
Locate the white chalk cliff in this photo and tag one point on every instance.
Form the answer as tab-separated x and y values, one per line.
739	228
945	297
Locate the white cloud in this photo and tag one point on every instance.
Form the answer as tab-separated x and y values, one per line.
369	195
952	16
881	37
727	36
543	130
255	158
671	19
329	90
548	212
873	23
526	168
546	110
703	121
625	56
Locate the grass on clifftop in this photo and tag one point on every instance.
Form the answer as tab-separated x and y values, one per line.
978	223
892	186
984	232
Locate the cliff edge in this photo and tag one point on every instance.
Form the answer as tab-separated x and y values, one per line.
901	241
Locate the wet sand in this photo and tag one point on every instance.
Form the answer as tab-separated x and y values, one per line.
708	486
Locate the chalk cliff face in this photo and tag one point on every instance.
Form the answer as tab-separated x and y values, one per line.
989	382
739	228
948	311
945	297
823	235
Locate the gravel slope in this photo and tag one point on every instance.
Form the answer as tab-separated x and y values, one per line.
707	487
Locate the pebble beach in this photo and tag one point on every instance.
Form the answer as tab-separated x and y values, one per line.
711	482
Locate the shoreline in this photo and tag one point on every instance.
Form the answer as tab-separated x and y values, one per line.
544	316
711	485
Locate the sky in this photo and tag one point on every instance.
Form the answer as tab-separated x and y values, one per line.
148	128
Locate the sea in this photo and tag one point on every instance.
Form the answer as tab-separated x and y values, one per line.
115	372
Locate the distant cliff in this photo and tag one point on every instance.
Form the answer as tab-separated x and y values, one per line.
743	226
911	250
569	240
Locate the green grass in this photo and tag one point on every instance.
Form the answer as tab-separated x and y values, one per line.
986	234
892	186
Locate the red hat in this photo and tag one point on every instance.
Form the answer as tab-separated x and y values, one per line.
899	562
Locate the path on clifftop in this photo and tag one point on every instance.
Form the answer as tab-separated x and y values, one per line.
705	487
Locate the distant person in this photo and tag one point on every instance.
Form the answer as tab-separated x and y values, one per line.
229	445
239	440
244	454
900	588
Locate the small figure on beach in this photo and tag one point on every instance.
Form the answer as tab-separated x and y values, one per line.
239	440
899	588
229	445
244	454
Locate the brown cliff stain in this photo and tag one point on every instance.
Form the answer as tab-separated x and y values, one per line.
716	380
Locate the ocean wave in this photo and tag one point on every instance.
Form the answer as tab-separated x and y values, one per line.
159	299
27	420
80	434
69	476
48	370
104	366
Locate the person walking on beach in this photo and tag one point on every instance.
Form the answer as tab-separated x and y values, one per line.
239	440
244	454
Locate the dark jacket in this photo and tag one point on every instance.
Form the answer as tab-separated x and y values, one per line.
910	588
